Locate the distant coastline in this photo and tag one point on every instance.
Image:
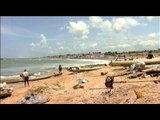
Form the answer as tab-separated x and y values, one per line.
96	55
107	55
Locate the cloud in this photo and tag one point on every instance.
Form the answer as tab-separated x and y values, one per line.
32	45
82	45
118	46
151	41
43	43
111	47
58	43
78	30
117	24
62	28
124	45
93	45
61	48
122	24
98	22
152	35
133	42
151	18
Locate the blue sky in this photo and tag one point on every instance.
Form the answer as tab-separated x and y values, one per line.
33	36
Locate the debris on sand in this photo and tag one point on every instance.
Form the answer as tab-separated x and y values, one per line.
82	81
138	93
34	99
104	73
5	90
78	86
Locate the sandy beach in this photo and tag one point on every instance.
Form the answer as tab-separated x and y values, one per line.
104	60
60	90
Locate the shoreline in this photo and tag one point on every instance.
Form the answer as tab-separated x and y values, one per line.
54	69
48	66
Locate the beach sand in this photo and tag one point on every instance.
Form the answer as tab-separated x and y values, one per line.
60	89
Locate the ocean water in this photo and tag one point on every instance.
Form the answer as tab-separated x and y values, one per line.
16	66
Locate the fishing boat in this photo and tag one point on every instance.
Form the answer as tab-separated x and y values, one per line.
128	63
31	78
78	69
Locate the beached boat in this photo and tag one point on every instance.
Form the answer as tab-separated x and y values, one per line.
41	78
19	79
31	78
58	74
128	63
78	69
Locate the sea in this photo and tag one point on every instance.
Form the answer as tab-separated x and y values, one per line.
15	66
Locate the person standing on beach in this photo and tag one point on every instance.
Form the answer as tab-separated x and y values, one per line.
26	77
60	68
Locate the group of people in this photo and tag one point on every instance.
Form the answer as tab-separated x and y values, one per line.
25	75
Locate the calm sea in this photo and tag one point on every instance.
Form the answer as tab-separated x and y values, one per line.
34	65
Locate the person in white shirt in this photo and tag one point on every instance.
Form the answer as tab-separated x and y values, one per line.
26	77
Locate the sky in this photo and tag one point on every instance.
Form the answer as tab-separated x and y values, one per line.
36	36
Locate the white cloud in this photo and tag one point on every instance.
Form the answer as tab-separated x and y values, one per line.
151	18
32	45
62	28
58	43
117	24
93	45
107	25
122	24
43	43
79	29
98	22
152	35
61	48
111	47
124	45
134	42
82	45
151	41
148	43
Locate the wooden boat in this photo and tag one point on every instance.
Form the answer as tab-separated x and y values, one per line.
78	69
58	74
19	79
41	78
128	63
